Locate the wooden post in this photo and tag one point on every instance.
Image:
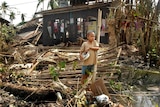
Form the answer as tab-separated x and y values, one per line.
98	40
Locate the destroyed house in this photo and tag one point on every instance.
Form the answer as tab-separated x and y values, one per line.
29	26
2	21
72	22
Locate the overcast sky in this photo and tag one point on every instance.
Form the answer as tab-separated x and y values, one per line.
26	7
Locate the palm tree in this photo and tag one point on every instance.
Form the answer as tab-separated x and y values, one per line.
12	16
53	4
4	7
39	2
23	17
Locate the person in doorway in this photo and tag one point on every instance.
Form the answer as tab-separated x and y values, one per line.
90	47
62	32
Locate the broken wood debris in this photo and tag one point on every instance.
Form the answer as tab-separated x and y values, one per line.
34	73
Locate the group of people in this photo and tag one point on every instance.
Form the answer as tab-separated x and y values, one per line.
58	32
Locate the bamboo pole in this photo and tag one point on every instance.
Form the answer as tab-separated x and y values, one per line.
119	52
98	40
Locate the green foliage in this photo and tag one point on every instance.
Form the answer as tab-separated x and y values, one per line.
156	105
62	65
12	16
53	4
115	85
74	92
153	57
21	23
16	76
6	35
145	8
6	10
53	73
88	72
4	7
7	32
74	65
1	70
153	52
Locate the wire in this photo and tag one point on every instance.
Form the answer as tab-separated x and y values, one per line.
23	3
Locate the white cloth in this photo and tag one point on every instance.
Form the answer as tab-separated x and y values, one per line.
102	98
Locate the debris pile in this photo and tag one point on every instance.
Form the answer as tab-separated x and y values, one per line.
51	74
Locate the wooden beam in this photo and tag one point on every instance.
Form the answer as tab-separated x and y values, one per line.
98	40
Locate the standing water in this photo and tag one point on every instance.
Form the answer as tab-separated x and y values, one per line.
147	99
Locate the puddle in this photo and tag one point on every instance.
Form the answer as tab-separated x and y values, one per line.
146	99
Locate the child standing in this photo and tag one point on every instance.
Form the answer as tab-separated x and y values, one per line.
90	46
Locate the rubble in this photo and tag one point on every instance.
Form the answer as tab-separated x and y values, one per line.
33	79
53	73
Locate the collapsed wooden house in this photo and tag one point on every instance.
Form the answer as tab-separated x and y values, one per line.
36	81
72	22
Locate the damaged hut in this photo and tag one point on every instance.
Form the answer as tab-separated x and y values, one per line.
71	22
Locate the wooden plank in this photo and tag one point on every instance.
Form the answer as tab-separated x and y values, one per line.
71	82
107	71
70	76
70	72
